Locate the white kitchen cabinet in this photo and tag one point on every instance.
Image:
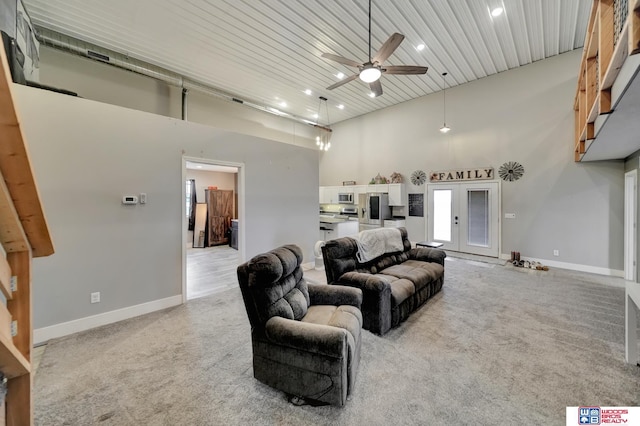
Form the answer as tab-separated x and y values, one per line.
396	194
329	194
357	190
382	187
394	223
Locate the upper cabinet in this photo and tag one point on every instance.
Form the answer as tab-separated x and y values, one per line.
396	194
608	68
396	191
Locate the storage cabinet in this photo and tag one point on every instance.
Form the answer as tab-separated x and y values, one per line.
219	215
23	234
396	194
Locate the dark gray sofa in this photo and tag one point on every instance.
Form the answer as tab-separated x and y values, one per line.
305	337
393	284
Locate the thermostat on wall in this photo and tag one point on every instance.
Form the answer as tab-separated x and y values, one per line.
130	199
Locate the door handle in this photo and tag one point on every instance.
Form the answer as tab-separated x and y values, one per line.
456	220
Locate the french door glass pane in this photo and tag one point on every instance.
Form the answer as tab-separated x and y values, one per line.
442	214
478	214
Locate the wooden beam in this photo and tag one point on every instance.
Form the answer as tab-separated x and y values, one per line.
634	27
20	305
20	401
12	362
12	235
15	166
606	36
5	278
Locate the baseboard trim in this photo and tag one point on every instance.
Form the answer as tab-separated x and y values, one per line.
42	335
573	266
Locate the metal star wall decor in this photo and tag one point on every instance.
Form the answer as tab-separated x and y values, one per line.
511	171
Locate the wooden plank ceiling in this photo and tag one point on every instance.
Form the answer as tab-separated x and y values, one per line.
269	51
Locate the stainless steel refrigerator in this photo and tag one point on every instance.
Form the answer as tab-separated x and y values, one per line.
373	208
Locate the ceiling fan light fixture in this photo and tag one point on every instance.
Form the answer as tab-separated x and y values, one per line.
369	74
497	12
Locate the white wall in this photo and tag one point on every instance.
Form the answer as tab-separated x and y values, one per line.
86	155
523	115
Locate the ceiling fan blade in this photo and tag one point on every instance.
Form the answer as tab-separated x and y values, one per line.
388	48
343	81
405	69
376	87
341	60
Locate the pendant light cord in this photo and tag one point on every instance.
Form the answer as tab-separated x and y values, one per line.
444	95
369	30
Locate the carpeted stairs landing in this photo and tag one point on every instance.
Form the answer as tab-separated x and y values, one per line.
498	346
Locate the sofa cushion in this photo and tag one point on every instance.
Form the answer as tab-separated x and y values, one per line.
277	285
420	273
401	290
346	317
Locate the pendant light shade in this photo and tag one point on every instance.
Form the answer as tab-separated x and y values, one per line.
324	132
444	128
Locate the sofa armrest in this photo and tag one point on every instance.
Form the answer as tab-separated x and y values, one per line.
376	299
321	294
428	255
308	337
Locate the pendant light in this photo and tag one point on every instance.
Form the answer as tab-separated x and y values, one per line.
444	128
324	132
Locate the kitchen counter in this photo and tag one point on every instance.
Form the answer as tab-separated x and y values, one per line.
333	227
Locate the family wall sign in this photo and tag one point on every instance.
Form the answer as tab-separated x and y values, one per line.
482	173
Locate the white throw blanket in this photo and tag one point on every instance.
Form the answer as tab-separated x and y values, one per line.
376	242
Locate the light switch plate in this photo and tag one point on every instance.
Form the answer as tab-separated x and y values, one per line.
509	215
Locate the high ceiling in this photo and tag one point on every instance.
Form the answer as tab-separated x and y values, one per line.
268	51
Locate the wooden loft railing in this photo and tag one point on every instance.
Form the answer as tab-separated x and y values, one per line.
23	234
613	34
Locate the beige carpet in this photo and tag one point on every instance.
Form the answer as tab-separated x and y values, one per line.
499	345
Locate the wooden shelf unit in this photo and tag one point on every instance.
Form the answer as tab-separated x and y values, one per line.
602	59
24	234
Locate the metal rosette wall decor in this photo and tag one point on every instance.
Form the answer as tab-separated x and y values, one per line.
418	177
511	171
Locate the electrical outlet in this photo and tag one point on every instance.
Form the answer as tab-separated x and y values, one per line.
95	297
509	215
556	252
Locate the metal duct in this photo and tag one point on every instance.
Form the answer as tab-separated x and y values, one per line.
87	50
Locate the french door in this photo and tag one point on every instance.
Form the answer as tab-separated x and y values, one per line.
464	217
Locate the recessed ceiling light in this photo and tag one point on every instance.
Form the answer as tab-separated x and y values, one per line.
340	75
308	92
497	11
315	115
420	47
372	95
340	106
198	167
283	104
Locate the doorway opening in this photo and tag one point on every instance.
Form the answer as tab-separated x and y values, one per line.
213	235
465	217
630	229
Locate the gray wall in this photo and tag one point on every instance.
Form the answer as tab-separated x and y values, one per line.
522	115
86	155
633	163
105	83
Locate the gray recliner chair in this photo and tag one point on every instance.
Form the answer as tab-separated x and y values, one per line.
305	337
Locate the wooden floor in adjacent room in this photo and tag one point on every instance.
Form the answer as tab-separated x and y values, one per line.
211	270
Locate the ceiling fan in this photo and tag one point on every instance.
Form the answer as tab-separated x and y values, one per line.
370	71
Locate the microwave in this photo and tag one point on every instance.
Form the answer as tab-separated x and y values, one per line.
346	198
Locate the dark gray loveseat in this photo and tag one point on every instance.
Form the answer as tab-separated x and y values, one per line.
306	338
393	284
